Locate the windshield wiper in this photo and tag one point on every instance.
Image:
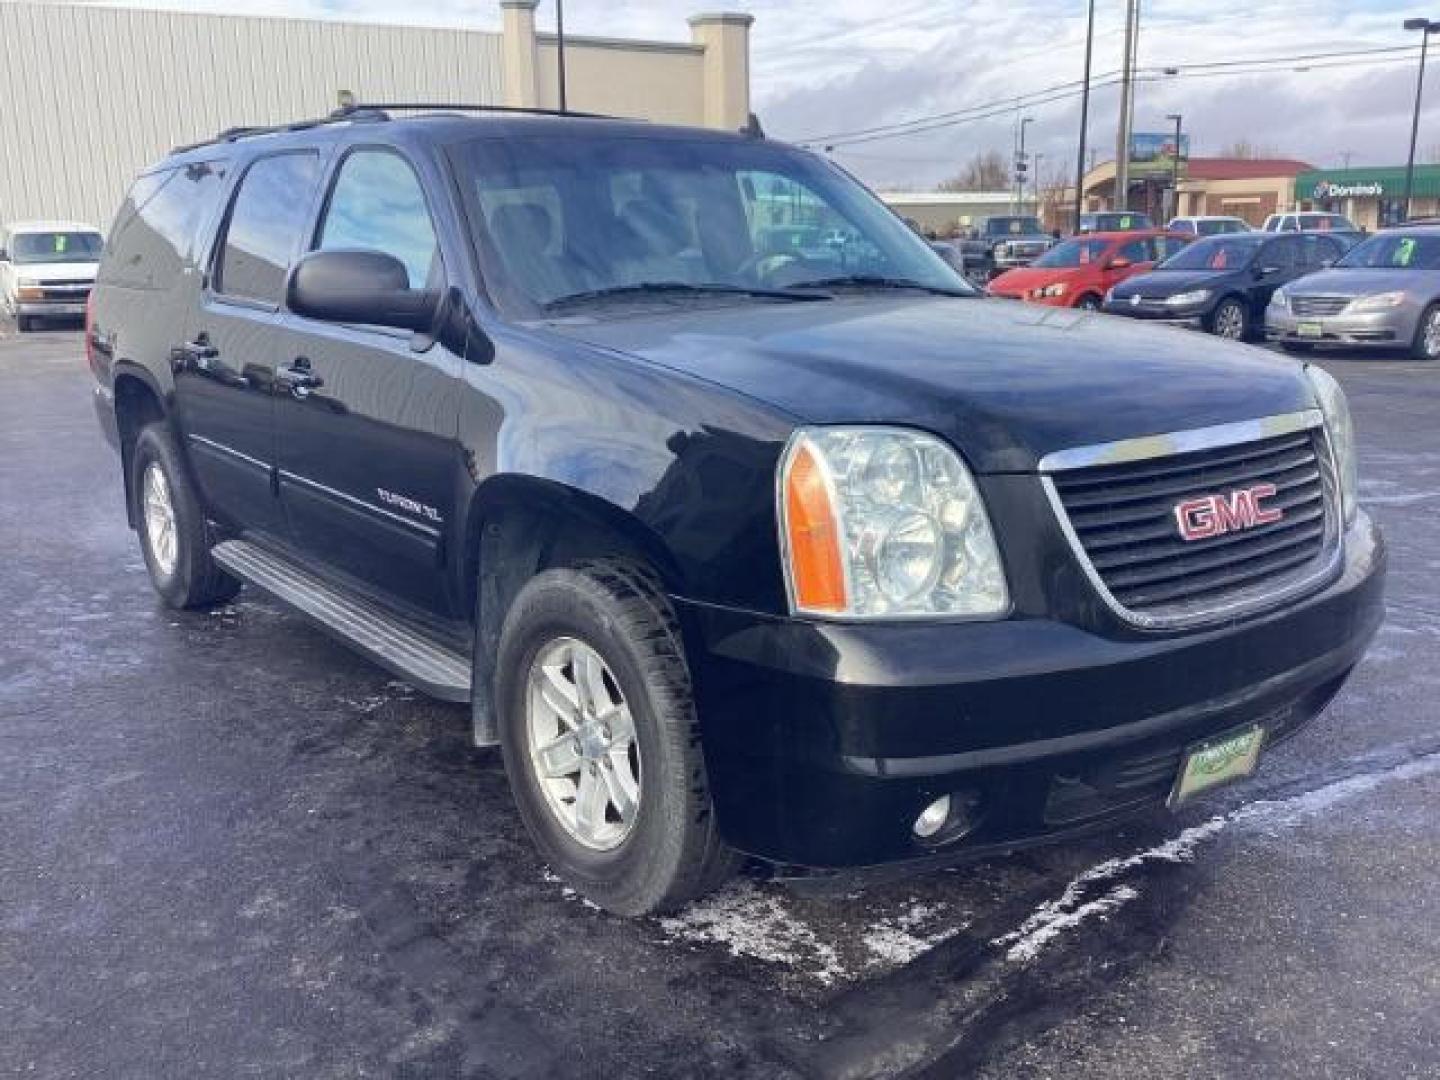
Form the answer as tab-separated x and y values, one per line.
876	281
681	288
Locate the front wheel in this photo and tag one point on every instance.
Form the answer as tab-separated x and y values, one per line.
601	740
1088	302
173	532
1230	320
1427	335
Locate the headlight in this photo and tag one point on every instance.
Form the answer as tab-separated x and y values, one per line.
1194	296
1340	433
1058	289
1281	300
1379	302
880	522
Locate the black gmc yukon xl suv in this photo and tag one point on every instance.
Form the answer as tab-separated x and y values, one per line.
820	558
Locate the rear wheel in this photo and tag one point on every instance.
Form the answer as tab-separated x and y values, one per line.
601	740
173	532
1427	335
1230	320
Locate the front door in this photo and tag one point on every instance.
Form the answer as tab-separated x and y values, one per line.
225	365
367	417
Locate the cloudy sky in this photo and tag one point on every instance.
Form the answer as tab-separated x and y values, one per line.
829	66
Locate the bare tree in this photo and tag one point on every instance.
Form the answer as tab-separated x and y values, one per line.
1248	151
987	170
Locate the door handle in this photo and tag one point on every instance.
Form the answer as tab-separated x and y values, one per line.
299	378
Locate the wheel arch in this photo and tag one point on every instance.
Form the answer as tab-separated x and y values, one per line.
138	402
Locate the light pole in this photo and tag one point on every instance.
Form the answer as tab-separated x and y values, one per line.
560	47
1020	166
1426	28
1035	180
1175	168
1084	117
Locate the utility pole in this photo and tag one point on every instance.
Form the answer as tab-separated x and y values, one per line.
560	47
1426	28
1127	91
1084	117
1175	169
1020	167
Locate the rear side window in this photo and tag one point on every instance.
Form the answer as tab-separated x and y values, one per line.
266	222
1135	251
157	229
377	205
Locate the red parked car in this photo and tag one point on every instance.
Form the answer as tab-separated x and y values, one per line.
1078	272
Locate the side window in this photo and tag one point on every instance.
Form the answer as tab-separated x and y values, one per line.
1283	254
156	231
1165	246
1317	250
377	205
1137	251
266	221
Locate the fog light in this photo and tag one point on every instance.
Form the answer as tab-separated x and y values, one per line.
932	819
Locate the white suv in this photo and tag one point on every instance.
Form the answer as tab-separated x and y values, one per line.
1310	221
1208	225
47	269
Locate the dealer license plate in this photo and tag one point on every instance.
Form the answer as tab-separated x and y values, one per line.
1218	761
1310	329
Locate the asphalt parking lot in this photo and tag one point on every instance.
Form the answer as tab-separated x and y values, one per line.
229	847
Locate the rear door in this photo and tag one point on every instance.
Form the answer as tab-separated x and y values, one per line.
367	416
225	365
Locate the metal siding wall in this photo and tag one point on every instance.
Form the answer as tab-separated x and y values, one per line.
91	95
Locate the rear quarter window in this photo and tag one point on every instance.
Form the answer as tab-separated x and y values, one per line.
157	231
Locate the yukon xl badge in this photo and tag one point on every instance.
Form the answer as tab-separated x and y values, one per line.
403	502
1216	515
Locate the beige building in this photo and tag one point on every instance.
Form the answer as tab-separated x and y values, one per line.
89	95
944	212
1248	188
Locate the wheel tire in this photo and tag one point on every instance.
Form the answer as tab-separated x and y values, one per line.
1230	320
1427	335
23	323
185	577
672	851
1088	302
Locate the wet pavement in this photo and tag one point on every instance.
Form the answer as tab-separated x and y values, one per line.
229	847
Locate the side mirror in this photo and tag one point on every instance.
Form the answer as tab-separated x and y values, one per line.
367	287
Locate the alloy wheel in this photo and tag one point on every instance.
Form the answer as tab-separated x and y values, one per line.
1230	322
1430	339
581	744
160	527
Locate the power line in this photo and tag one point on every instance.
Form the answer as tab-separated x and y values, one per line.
1051	94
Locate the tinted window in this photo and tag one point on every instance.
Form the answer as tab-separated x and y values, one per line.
1165	246
1012	226
1281	254
1074	253
1137	251
377	205
1213	253
265	225
157	228
1318	250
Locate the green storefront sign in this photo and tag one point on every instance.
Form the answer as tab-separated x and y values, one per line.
1320	185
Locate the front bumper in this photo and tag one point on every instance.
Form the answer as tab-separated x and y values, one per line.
56	309
824	741
1395	328
1192	315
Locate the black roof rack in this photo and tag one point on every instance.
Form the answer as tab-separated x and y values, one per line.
376	112
444	107
354	114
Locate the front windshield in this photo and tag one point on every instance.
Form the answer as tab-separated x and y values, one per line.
1117	222
1385	252
1073	253
56	247
1012	226
576	217
1212	253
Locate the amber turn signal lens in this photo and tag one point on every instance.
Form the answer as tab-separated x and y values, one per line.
29	292
817	574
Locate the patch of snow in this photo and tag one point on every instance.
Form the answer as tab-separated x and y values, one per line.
1052	919
751	922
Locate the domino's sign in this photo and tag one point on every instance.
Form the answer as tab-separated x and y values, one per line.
1329	189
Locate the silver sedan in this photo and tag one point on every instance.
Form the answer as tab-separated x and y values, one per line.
1385	292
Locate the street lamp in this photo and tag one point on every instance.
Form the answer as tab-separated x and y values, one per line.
1175	168
1084	117
1426	28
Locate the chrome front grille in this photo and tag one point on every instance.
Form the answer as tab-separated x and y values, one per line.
1121	517
1310	306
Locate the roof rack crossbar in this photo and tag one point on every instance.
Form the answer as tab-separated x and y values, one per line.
431	106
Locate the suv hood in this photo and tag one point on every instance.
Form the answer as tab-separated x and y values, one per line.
1006	383
61	271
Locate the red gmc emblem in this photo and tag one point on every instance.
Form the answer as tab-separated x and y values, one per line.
1216	515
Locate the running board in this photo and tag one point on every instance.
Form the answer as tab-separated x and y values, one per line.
433	668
